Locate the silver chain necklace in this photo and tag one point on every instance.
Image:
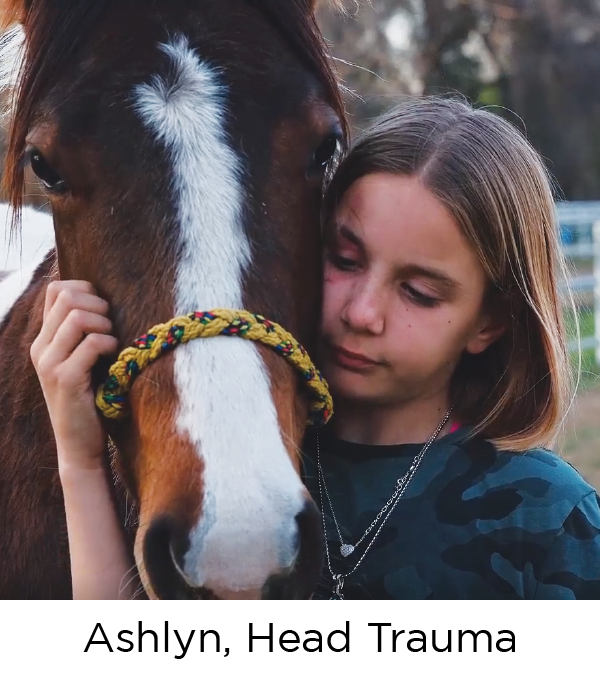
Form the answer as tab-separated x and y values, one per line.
400	488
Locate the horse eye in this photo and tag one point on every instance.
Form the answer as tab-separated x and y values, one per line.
324	153
51	180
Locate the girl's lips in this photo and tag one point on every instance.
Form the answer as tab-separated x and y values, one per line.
351	360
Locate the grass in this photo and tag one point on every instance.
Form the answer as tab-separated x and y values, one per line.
580	443
590	371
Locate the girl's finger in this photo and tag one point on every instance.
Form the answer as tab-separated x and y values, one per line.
71	333
68	300
80	363
56	287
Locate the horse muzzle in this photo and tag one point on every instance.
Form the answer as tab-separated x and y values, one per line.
177	568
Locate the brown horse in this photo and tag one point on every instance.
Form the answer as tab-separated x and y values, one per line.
183	146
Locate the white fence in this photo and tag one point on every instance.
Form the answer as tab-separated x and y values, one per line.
580	233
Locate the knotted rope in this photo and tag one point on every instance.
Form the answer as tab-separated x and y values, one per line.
111	397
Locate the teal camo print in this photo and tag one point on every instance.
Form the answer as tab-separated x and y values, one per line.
475	523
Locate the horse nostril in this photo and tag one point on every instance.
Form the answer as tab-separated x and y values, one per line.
165	545
166	542
302	581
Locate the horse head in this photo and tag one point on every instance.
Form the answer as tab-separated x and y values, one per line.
183	148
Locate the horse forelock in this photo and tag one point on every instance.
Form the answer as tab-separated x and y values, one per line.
54	31
11	11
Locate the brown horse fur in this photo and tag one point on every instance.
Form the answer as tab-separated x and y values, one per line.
69	103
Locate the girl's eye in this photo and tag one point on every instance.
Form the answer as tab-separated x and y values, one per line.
420	298
341	262
50	178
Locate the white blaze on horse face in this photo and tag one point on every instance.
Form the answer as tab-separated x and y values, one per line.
247	529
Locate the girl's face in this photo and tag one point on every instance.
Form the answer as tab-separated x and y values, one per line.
403	294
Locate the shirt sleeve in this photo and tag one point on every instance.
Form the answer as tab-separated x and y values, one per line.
572	568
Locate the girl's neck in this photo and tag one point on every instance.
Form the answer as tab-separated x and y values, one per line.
407	422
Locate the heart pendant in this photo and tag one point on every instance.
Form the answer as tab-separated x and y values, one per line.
346	549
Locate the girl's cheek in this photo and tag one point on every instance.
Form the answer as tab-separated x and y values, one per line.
334	292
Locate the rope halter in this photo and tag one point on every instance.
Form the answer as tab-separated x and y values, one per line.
111	397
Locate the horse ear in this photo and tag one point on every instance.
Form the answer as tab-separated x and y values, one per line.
11	12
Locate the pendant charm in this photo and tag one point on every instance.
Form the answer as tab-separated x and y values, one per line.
346	549
337	589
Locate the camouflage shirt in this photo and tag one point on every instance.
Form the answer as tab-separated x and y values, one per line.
474	522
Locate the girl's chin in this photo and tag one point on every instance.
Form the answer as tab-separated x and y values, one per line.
351	385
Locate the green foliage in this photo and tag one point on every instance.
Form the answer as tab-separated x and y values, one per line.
454	72
490	94
457	72
590	371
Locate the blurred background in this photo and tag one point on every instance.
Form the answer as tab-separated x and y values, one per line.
534	62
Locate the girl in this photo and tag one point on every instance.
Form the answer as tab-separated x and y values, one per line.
443	343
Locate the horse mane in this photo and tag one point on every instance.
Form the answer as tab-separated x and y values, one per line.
56	29
54	32
10	12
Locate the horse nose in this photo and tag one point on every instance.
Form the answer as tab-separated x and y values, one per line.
166	543
301	582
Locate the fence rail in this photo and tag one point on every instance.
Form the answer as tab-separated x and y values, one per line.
580	235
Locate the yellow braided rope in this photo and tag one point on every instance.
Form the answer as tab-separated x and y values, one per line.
111	398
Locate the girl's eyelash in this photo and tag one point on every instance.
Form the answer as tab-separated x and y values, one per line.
341	262
420	298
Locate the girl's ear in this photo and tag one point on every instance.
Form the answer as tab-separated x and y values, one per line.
11	12
493	323
485	336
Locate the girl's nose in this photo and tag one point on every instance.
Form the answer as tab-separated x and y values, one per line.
364	310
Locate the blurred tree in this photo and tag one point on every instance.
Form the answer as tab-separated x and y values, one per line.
537	58
377	50
551	66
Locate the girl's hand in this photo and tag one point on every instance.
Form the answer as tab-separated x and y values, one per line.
75	333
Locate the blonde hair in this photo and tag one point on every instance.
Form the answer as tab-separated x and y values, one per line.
498	190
